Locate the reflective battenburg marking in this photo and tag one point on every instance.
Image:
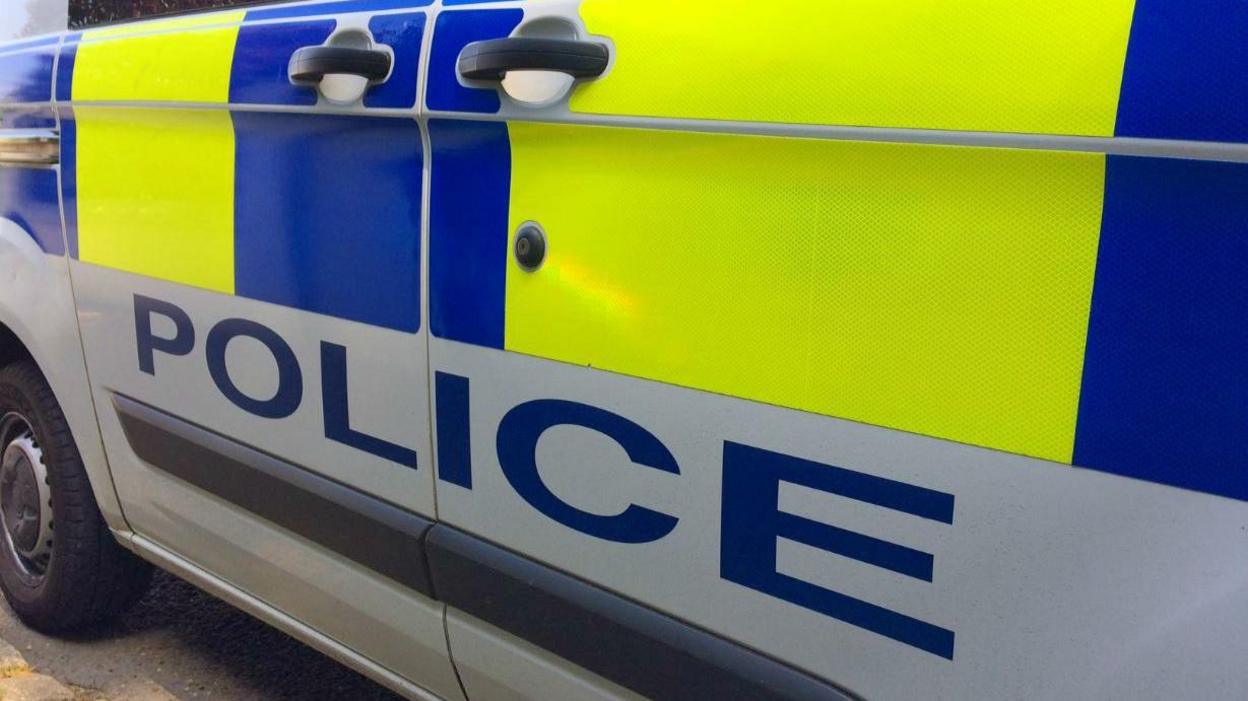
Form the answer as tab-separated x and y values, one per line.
938	290
1165	389
69	177
403	34
469	191
313	211
259	75
154	187
155	192
316	212
327	215
1036	66
26	71
28	198
333	7
455	30
1185	69
183	59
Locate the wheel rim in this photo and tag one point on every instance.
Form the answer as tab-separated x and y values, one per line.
25	498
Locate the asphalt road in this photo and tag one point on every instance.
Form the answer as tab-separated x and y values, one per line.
194	646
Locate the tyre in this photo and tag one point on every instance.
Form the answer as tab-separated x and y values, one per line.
60	567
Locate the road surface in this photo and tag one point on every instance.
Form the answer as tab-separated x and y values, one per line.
194	646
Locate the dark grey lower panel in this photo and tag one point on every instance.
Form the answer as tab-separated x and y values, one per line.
377	535
638	648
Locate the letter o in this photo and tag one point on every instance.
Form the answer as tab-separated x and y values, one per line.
289	377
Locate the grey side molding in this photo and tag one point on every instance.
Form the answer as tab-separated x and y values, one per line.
377	535
648	652
29	147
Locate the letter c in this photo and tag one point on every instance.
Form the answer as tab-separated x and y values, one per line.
518	434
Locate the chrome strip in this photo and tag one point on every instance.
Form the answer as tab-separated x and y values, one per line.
1231	152
29	147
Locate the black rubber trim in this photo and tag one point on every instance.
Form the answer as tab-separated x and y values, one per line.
311	63
638	648
648	652
362	528
492	59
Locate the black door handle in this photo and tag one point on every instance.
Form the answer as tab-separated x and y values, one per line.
490	60
311	63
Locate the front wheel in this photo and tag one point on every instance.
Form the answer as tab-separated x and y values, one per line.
60	567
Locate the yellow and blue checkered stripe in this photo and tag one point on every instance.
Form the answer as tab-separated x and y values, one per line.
313	211
1076	307
1070	306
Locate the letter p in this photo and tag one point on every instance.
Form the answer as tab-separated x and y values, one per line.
181	343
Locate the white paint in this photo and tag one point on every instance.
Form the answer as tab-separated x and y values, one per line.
1058	582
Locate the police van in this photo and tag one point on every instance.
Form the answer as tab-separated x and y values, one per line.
606	349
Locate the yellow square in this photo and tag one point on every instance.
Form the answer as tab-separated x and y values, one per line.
1029	66
941	290
183	59
156	193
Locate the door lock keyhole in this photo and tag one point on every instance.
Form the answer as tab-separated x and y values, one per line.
530	247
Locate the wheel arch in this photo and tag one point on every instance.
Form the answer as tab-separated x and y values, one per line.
12	349
38	321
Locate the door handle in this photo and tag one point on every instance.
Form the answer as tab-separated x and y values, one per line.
312	63
492	59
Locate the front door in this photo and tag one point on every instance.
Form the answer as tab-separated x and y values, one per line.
244	215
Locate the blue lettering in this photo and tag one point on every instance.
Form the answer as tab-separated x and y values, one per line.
517	438
289	377
183	340
454	436
334	403
752	521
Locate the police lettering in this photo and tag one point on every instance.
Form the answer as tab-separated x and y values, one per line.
289	395
751	518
